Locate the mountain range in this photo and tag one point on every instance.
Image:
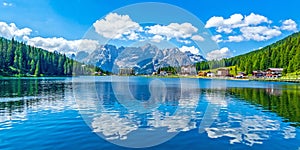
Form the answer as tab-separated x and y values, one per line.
144	59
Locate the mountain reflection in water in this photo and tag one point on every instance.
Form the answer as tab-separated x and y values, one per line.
241	115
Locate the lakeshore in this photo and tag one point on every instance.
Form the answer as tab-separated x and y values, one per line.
282	79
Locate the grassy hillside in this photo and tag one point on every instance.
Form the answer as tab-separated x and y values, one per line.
282	54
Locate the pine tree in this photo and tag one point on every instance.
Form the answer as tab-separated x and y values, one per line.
37	69
32	67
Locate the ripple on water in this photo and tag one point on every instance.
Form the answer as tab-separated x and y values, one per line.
51	119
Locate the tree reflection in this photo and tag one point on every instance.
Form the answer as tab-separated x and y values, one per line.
19	95
285	101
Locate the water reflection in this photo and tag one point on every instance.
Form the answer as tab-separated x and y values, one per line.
238	123
247	116
18	97
283	101
113	126
246	125
135	109
248	130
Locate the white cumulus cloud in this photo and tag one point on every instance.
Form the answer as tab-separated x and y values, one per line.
185	41
289	25
225	25
235	21
217	38
7	4
51	44
255	19
219	54
237	38
214	22
197	38
133	36
191	49
115	26
173	30
11	30
157	38
240	28
259	33
63	45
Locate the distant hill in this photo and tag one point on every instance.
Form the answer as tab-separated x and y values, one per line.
19	59
282	54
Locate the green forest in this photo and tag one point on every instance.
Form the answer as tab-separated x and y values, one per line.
282	54
19	59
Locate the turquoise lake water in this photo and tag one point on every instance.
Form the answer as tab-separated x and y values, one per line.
150	113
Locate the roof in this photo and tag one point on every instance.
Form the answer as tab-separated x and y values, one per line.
258	71
276	69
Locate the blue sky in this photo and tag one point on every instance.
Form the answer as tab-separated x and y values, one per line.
54	21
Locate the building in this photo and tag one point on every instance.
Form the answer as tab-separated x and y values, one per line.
223	72
241	75
99	73
126	71
202	73
163	73
188	70
258	74
211	74
274	72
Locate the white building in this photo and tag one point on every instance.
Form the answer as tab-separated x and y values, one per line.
188	70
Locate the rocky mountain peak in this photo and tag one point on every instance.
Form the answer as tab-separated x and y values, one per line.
144	59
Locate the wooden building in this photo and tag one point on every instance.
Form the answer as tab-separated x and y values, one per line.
202	73
274	72
258	74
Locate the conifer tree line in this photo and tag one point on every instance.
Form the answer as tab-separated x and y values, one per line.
169	69
19	59
282	54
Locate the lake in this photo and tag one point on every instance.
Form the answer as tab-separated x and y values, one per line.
153	113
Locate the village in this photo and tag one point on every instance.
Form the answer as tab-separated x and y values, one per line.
225	72
190	70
